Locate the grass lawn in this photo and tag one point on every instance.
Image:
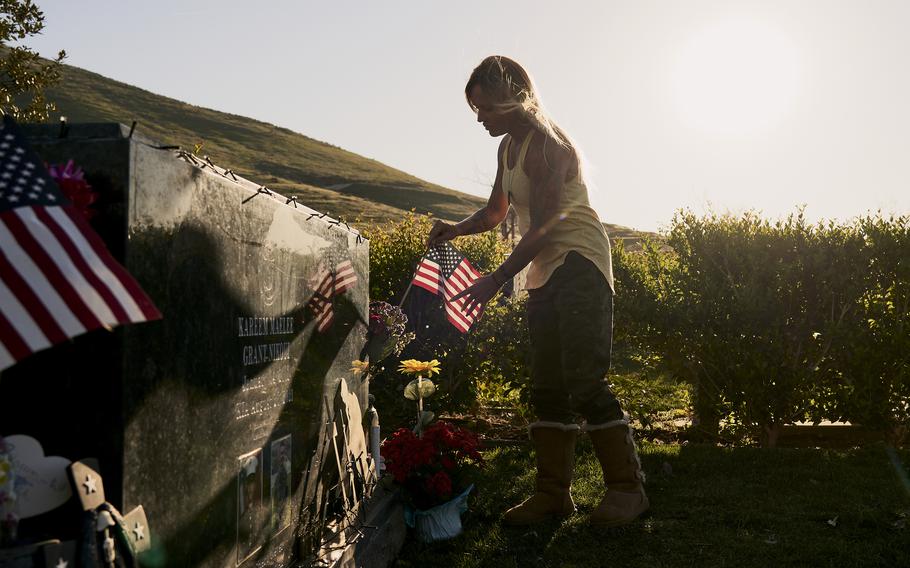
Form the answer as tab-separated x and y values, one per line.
710	506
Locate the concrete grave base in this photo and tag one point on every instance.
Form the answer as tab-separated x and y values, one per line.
374	543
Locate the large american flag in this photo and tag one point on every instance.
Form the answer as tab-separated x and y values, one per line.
337	277
57	279
446	272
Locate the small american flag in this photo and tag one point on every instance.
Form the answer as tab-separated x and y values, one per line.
57	279
338	277
446	272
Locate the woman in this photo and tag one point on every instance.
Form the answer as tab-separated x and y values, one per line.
570	303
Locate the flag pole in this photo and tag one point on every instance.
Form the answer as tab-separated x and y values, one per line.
407	291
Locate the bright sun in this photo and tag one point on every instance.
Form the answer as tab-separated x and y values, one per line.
735	78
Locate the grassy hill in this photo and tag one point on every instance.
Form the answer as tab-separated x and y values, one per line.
322	176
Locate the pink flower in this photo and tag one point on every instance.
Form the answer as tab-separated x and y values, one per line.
71	180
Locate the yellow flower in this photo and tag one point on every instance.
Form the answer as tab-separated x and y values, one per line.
422	368
359	367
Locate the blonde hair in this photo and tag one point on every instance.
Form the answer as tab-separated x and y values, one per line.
507	81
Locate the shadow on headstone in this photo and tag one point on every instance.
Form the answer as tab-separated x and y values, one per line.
210	418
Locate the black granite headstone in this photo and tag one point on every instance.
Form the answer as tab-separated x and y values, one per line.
210	418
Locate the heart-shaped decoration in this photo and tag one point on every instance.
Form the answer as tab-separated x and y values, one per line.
41	482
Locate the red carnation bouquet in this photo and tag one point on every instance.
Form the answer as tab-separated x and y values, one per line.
434	467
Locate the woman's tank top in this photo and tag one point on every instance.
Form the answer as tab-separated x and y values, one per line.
577	226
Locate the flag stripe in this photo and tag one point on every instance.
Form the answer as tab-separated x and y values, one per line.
428	271
58	279
6	358
26	296
464	275
457	281
457	325
26	330
64	312
42	246
456	318
333	282
323	315
461	278
325	320
121	302
459	305
323	305
325	287
11	341
465	267
73	254
135	295
346	280
345	277
453	288
427	285
429	267
427	276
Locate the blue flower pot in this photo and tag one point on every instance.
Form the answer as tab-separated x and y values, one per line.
441	522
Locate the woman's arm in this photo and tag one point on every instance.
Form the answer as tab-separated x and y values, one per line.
483	219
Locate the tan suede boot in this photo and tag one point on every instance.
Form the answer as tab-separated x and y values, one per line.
624	499
555	446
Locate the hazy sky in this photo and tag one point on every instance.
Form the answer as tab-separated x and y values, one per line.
721	105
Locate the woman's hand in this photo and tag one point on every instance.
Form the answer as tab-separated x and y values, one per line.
478	294
441	232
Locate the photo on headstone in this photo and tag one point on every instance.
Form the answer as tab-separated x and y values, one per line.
280	486
249	504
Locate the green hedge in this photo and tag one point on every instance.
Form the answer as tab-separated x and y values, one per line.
769	322
776	322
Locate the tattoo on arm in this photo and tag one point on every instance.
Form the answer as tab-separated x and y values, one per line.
476	223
